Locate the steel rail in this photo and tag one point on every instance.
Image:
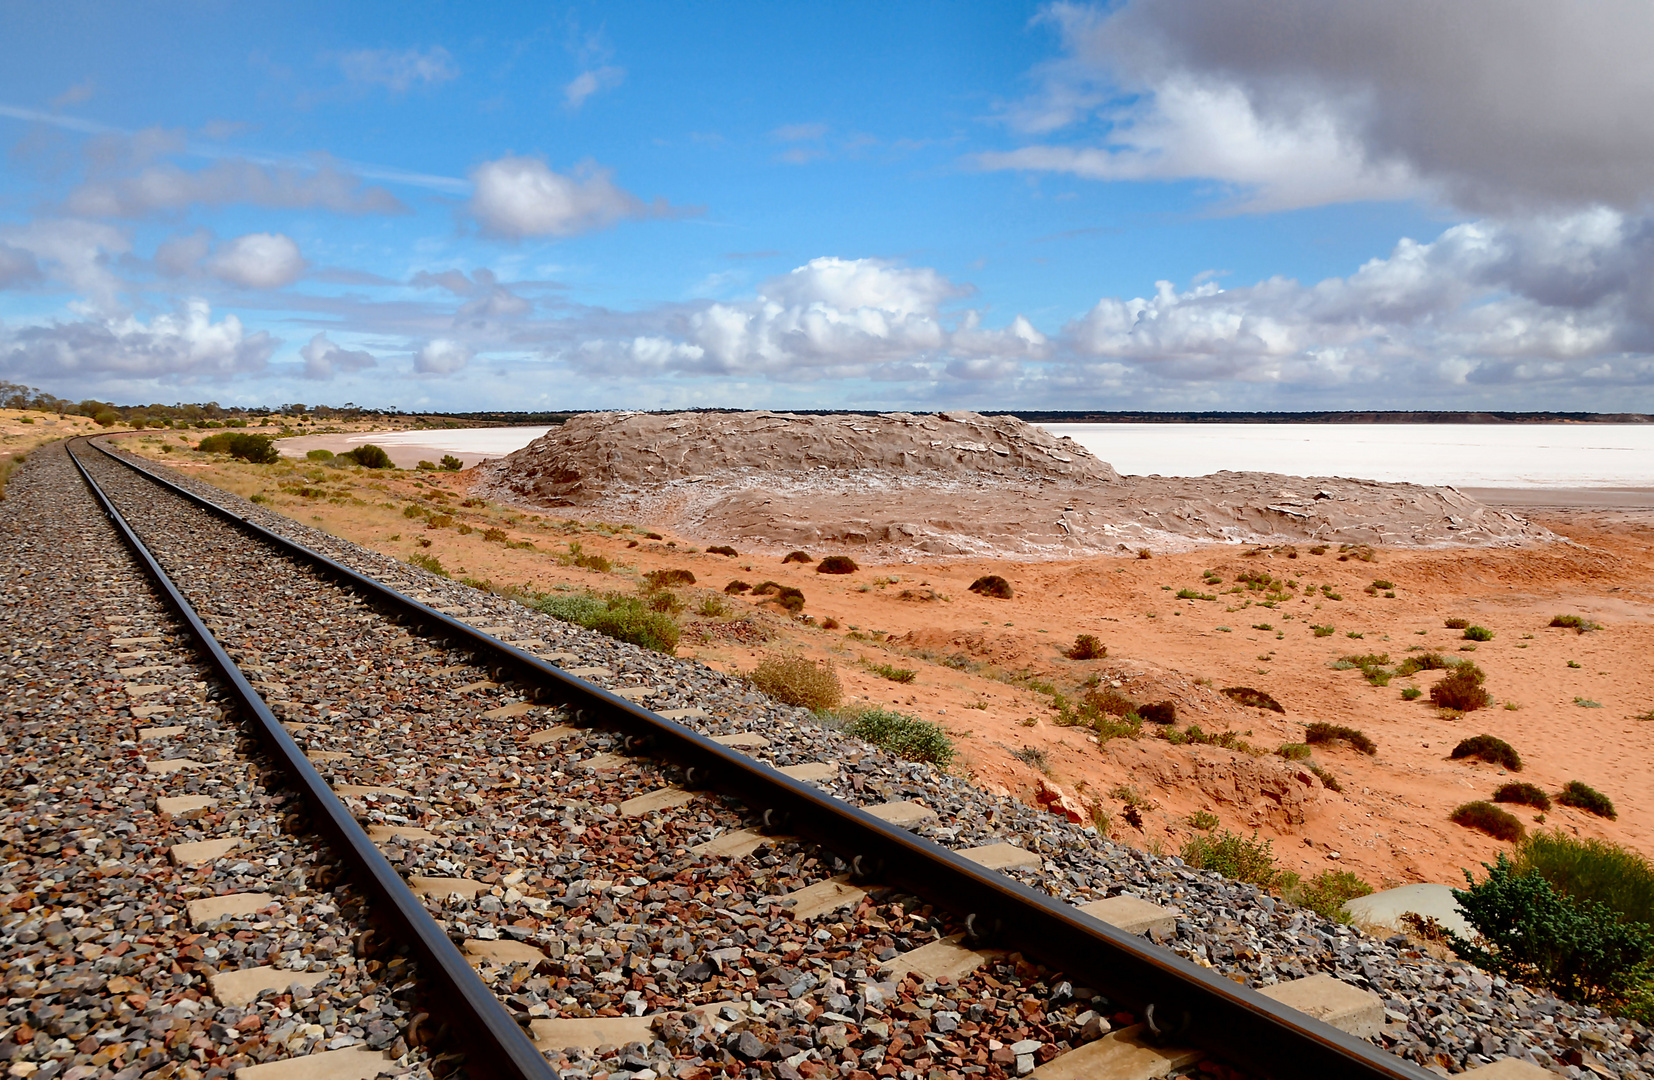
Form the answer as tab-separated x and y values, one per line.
485	1029
1182	1002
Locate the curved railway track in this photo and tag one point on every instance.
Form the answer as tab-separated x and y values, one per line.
684	904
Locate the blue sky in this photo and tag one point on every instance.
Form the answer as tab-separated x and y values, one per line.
1274	205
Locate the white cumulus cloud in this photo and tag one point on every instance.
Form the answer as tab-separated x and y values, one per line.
185	343
441	356
516	197
323	359
259	261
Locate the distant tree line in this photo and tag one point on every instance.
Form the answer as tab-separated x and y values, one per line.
208	415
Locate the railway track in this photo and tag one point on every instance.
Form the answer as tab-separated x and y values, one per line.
571	866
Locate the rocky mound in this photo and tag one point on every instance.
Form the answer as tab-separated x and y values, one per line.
899	485
608	453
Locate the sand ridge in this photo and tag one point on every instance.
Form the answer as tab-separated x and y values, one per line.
956	484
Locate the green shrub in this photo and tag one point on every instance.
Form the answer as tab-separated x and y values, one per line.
1577	948
797	556
789	598
665	579
450	463
1456	624
579	556
1252	698
1293	751
1574	622
1371	665
1322	631
1411	693
1595	870
425	466
1233	856
796	680
1494	751
428	562
1462	689
1192	594
257	449
992	585
624	618
1581	796
664	600
905	736
1322	732
1485	817
319	455
1429	661
722	549
1325	893
894	674
369	456
1160	712
1204	820
1194	736
737	587
713	607
1328	780
1523	795
837	564
1478	633
1086	647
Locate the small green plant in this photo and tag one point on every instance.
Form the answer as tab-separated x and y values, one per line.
578	556
1591	869
1488	748
1478	633
797	556
1233	856
1456	624
319	455
905	736
1462	689
1371	665
1191	594
722	549
368	456
1087	647
737	587
797	680
1326	893
837	564
1411	693
666	579
713	606
1322	631
1574	663
1485	817
1203	820
1423	662
624	618
1328	781
450	463
1524	795
1262	626
1587	703
1581	796
425	466
1382	584
1035	756
494	536
1322	732
1294	751
894	674
1575	623
992	585
428	562
789	598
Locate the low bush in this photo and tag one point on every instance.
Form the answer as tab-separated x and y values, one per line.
450	463
579	556
319	455
1462	689
992	585
1086	647
624	618
665	579
1325	893
789	598
737	587
1322	732
1575	623
1429	661
905	736
1194	736
1494	751
425	466
1478	633
1035	756
837	564
797	680
1328	781
1204	820
722	549
257	449
894	674
1456	624
493	535
428	562
1411	693
1590	869
1252	698
1523	795
1233	856
1582	796
1322	631
797	556
368	456
1371	665
1485	817
1294	751
713	607
1579	949
1159	712
664	600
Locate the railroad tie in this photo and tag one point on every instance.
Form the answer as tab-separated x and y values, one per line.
516	708
737	843
946	957
167	766
244	986
209	909
351	1063
196	852
550	735
142	711
811	772
822	897
740	740
145	734
1119	1055
660	799
184	806
904	814
1132	915
1001	856
382	833
681	714
1333	1001
1510	1069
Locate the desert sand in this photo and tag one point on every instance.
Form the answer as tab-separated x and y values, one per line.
985	668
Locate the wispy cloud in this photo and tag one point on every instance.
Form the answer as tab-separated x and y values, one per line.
587	83
399	71
81	91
